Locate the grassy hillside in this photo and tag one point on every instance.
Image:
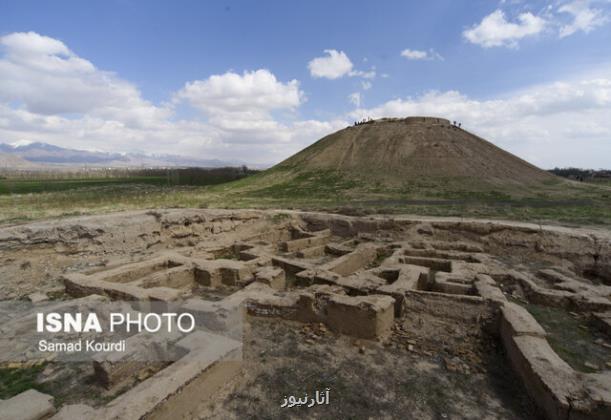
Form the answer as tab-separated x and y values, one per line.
396	153
557	201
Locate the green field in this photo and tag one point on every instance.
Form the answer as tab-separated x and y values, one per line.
27	186
570	204
42	182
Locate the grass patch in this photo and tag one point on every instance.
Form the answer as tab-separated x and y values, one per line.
322	184
278	218
430	391
30	186
572	338
227	254
14	381
381	255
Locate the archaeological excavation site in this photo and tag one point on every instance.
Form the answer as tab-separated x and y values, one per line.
334	210
387	317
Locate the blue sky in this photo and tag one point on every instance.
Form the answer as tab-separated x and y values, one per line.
259	80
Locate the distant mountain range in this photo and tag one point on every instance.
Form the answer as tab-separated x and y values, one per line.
47	155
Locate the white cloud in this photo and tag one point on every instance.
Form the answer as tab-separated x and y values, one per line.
239	110
371	74
584	18
414	54
334	65
495	31
355	99
569	18
421	55
250	96
563	123
366	84
46	77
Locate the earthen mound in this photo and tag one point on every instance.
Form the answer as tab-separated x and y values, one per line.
394	151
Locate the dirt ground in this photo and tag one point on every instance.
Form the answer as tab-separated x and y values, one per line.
370	380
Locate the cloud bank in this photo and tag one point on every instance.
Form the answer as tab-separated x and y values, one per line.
50	94
561	20
563	123
495	30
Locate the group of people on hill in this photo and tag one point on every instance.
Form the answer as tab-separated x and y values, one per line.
455	124
363	121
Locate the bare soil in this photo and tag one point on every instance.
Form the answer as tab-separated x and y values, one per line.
370	380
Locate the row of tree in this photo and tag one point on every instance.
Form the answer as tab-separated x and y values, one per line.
582	174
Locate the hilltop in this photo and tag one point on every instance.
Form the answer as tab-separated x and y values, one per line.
409	158
397	151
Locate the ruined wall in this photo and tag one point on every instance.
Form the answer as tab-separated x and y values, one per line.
582	250
34	256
